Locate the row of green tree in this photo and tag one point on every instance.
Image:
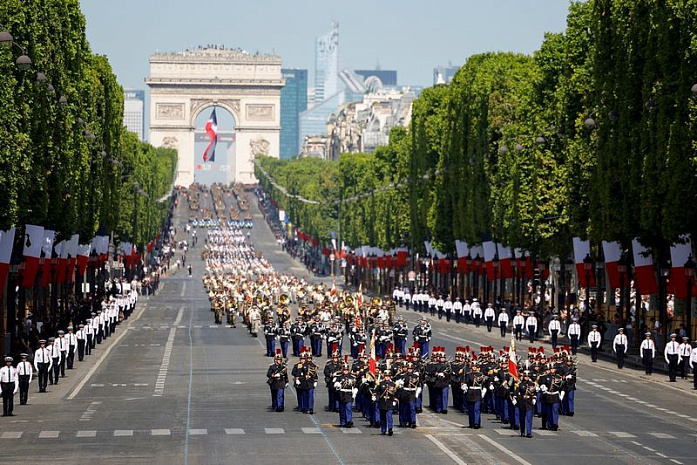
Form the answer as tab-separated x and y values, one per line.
594	135
66	160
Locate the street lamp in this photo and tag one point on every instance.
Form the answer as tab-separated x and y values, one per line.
622	271
496	262
690	275
587	267
599	266
23	62
477	264
663	298
542	265
523	266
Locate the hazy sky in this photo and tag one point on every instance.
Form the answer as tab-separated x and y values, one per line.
411	36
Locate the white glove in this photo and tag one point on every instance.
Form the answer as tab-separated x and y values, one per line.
561	395
441	375
373	398
483	392
418	391
354	391
400	382
514	401
337	385
464	387
491	387
496	378
534	400
543	388
315	385
286	384
569	376
277	375
297	381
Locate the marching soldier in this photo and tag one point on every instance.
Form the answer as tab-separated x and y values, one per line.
334	337
439	306
672	354
89	334
526	399
569	374
441	382
619	345
330	370
422	336
270	331
476	312
448	308
284	337
24	376
9	384
458	369
594	342
297	334
387	401
552	394
316	336
277	378
345	385
474	391
410	389
400	332
43	364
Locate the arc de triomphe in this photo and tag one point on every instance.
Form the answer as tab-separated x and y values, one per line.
184	84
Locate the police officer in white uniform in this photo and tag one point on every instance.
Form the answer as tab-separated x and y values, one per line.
647	350
43	364
619	345
9	384
24	376
672	353
594	342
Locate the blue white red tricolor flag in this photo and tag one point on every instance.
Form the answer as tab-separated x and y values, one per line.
212	131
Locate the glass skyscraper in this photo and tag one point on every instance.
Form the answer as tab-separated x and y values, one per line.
133	111
327	65
293	102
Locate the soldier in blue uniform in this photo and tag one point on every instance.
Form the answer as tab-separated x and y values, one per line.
526	399
270	331
386	393
345	384
277	378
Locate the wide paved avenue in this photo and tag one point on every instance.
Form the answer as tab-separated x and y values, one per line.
171	387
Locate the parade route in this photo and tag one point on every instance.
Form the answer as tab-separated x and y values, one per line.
173	388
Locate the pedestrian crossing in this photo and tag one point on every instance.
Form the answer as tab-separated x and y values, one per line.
331	429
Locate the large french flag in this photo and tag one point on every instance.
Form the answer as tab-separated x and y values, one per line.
33	242
644	275
7	239
212	131
612	252
581	250
489	254
679	253
505	260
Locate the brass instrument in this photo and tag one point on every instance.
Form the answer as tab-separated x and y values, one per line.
348	300
284	300
376	301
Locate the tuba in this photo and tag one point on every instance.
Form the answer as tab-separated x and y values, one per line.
283	300
376	301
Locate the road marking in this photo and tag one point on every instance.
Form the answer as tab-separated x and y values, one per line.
162	374
662	435
661	455
98	363
160	432
676	461
234	431
351	431
183	289
505	432
544	432
509	453
621	434
48	434
198	431
585	434
311	431
11	435
123	432
445	450
86	434
274	430
91	410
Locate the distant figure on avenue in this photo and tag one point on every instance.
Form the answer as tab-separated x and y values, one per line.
647	350
9	384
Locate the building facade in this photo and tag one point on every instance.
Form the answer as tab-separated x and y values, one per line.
444	74
134	111
293	103
327	65
387	77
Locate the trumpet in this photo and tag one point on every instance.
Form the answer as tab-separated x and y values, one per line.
283	300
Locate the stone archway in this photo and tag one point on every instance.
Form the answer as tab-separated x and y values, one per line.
182	85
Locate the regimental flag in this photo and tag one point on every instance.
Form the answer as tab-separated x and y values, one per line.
372	363
512	360
212	131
